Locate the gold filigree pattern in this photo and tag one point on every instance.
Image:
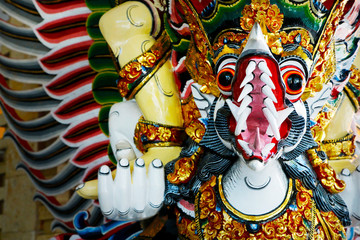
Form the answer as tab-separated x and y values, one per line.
190	110
325	173
343	148
323	119
261	11
296	223
207	201
196	131
231	37
325	66
201	71
270	18
149	134
355	77
138	71
198	52
305	41
334	227
352	89
186	227
185	168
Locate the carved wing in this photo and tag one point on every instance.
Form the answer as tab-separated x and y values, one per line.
68	78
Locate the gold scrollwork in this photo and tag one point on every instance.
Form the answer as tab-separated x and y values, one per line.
149	134
299	222
339	148
133	76
184	168
324	68
325	173
200	49
261	11
190	110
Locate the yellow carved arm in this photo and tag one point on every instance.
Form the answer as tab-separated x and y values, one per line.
127	30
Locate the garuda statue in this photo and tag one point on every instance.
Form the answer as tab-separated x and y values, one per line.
238	118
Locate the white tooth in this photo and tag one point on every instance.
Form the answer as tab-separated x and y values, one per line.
245	102
250	68
237	111
270	105
241	122
269	132
246	90
283	114
267	80
247	79
264	68
265	151
272	122
233	108
268	92
245	146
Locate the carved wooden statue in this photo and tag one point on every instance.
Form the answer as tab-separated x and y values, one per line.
240	117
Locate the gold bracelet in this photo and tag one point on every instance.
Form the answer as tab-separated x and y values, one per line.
135	74
325	173
151	134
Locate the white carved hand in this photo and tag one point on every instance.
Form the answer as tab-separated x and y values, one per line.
351	194
123	118
133	196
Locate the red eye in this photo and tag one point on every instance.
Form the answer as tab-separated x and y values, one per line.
293	80
224	79
294	74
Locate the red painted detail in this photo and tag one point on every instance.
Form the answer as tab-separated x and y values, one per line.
53	8
66	56
83	131
71	81
328	3
257	124
90	153
200	5
79	105
62	29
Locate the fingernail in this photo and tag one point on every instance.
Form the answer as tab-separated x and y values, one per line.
107	213
345	172
138	211
124	162
115	114
140	162
157	163
79	187
104	170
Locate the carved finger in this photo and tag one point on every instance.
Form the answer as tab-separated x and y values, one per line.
138	186
124	150
122	190
105	189
156	183
345	173
88	190
348	193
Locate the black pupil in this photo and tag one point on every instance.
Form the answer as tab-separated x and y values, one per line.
225	78
294	82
